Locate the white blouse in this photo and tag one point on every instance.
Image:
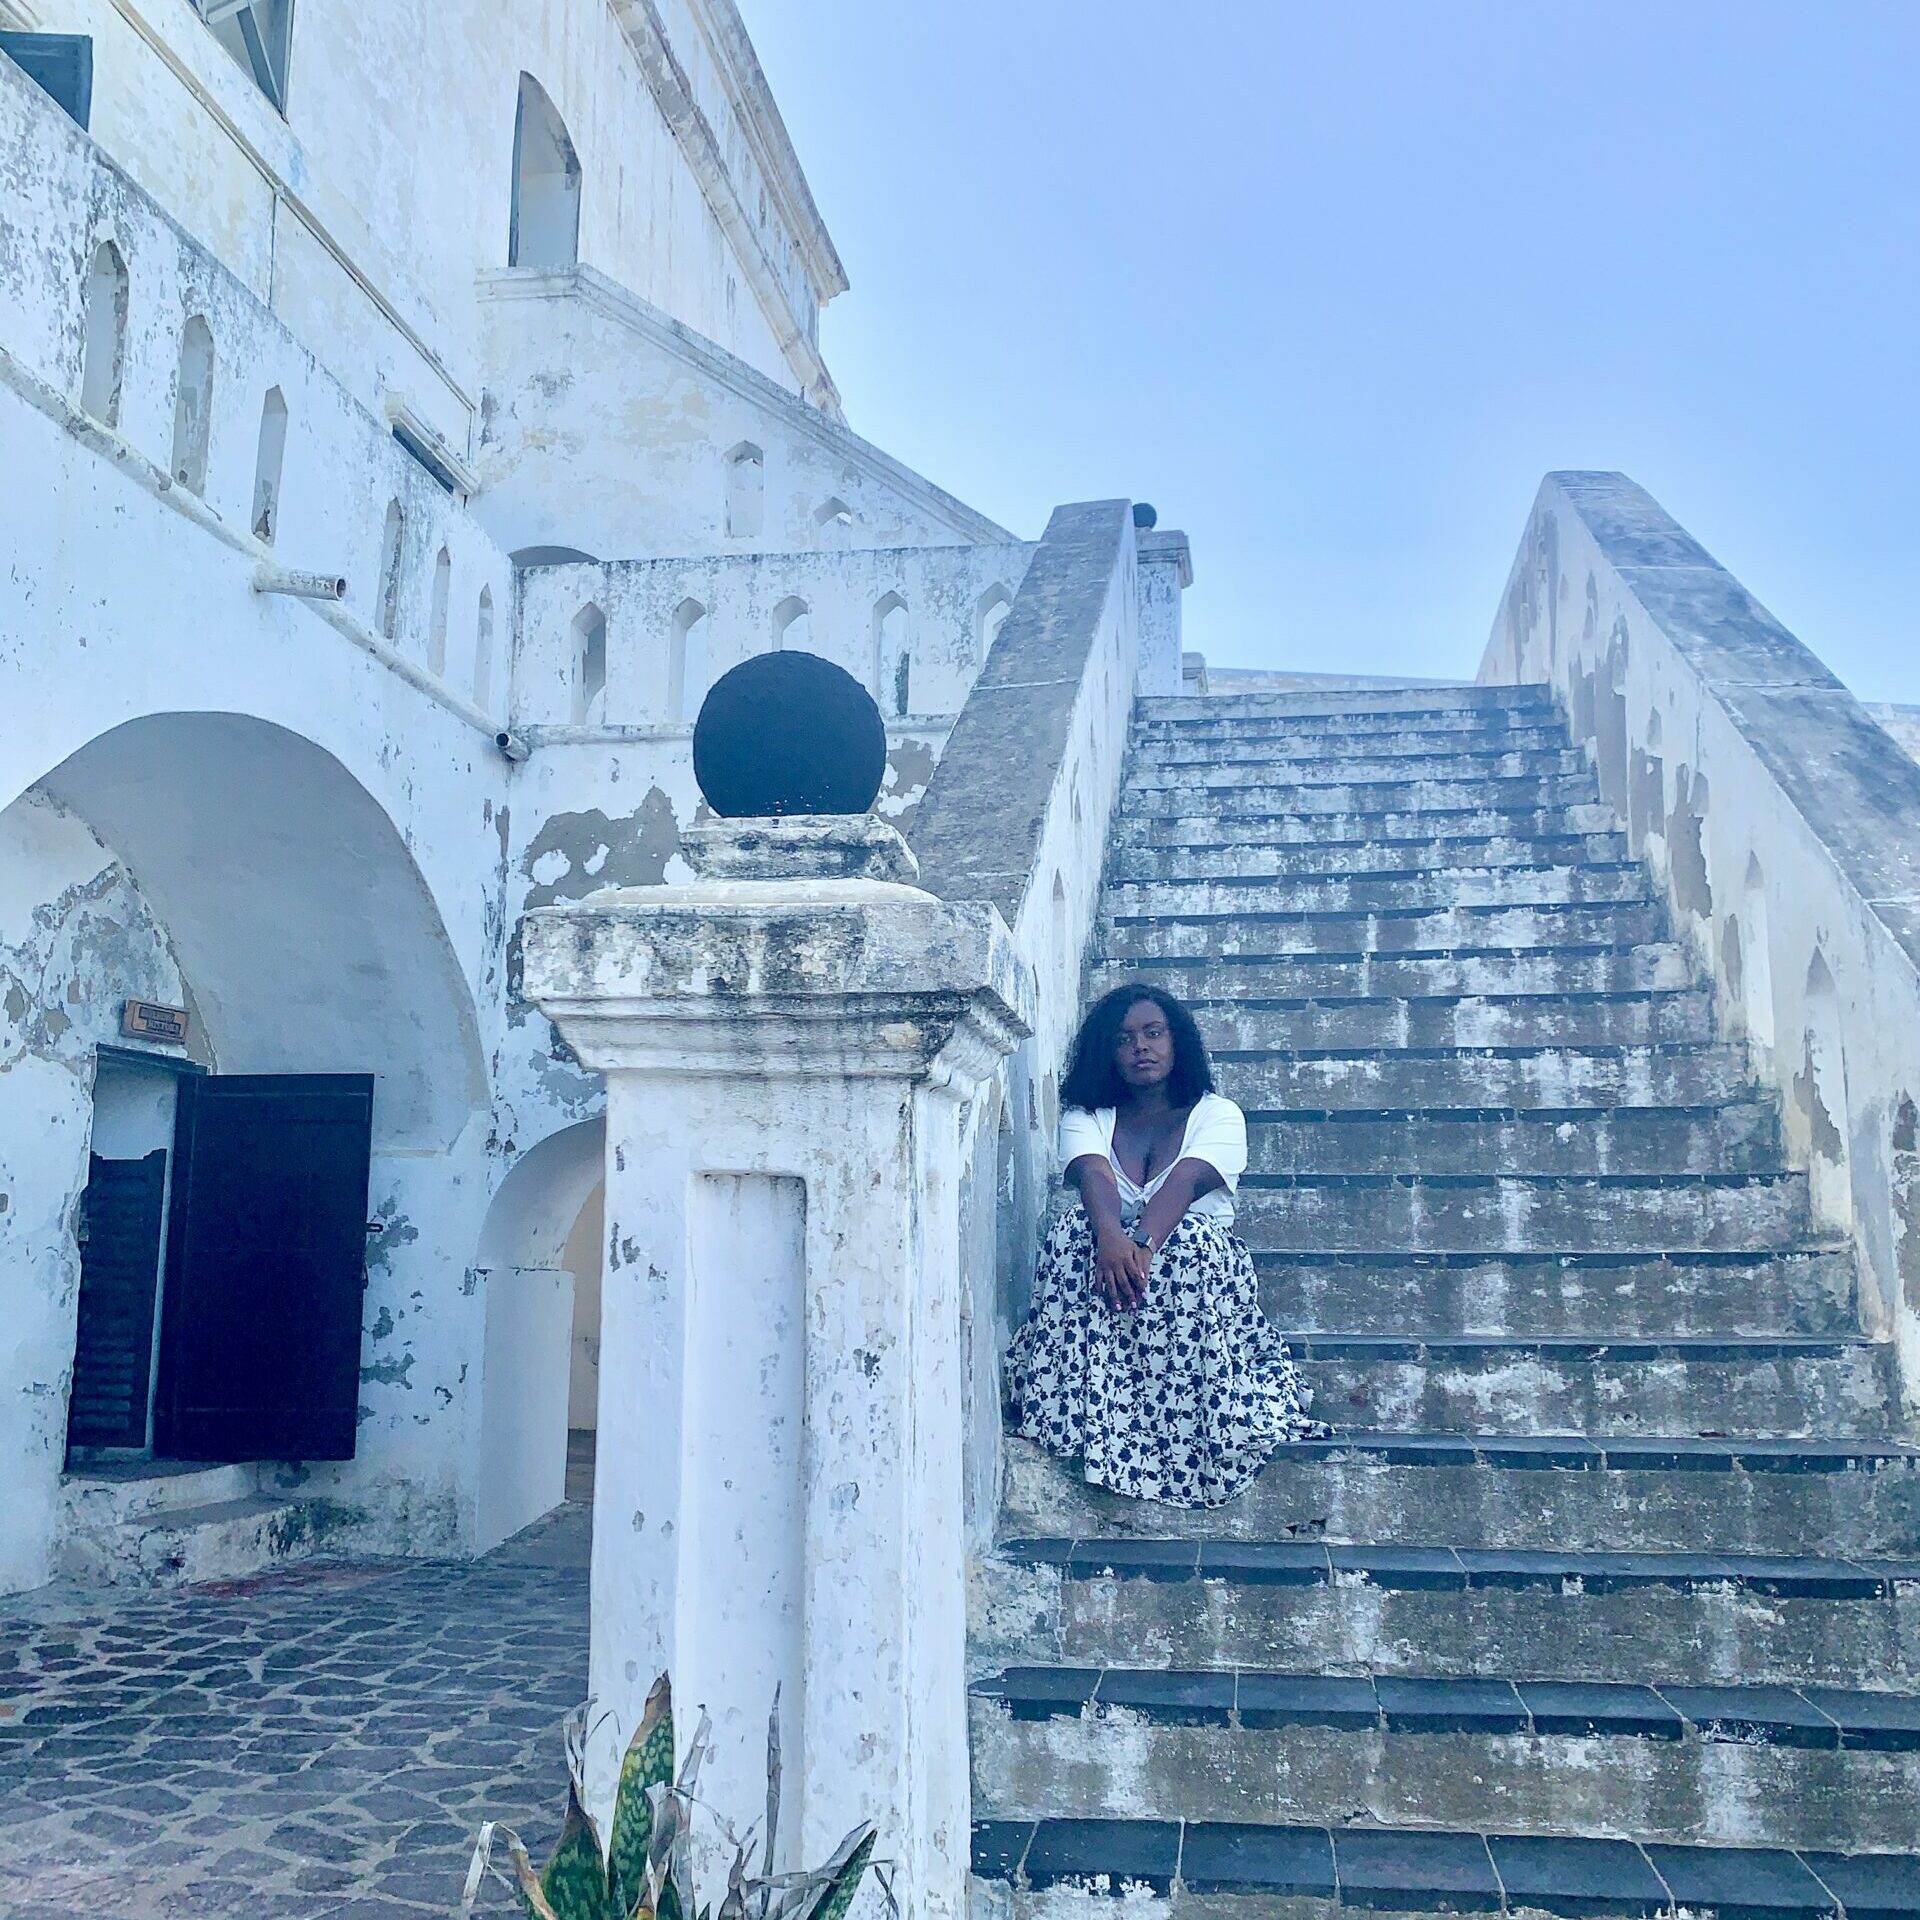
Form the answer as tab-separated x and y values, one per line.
1216	1133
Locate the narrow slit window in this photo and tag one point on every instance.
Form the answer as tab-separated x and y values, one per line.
437	618
589	665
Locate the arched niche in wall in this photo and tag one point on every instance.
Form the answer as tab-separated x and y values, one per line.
544	230
103	356
792	625
193	405
483	651
393	558
1820	1094
989	616
686	659
269	462
746	491
437	612
892	655
1756	962
832	522
589	665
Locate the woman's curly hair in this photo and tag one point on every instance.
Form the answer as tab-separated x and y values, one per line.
1093	1079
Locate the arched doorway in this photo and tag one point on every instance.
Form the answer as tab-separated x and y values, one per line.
237	878
540	1261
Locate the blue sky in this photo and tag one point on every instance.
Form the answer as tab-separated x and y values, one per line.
1333	284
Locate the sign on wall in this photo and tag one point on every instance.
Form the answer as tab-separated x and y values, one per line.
148	1020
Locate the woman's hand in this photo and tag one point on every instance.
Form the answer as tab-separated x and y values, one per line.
1121	1269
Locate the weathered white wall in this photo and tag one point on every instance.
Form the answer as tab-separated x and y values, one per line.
943	593
1782	822
610	428
364	215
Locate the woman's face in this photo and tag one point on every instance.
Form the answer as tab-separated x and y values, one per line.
1144	1052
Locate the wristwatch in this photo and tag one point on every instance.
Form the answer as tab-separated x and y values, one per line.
1137	1233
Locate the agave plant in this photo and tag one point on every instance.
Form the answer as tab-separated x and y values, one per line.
643	1870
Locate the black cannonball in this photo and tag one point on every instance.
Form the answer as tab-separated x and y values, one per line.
788	732
1144	517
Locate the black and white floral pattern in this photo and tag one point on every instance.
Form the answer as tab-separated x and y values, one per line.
1181	1400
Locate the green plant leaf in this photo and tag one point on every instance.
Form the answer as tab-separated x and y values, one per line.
669	1908
844	1871
648	1763
575	1881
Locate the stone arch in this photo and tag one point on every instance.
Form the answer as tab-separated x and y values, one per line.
296	913
544	228
437	614
686	659
589	665
103	355
193	405
832	519
792	625
393	559
746	490
269	461
539	1260
1820	1095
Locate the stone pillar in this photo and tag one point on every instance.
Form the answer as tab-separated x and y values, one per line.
790	1043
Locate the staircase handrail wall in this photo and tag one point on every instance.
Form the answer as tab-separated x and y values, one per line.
1017	813
1783	824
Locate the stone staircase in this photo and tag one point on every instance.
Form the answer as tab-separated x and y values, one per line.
1604	1598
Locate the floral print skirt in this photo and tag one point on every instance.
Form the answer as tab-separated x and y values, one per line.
1181	1400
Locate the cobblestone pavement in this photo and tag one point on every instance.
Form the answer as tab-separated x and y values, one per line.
320	1741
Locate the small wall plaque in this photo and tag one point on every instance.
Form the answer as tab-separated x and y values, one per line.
148	1020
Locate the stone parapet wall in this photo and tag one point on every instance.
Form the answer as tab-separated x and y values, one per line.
1016	814
1783	822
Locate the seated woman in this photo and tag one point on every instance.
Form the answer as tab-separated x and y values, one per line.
1146	1357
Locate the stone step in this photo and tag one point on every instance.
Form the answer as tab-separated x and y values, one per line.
1327	978
1229	795
1787	1387
1626	1140
1227	1872
1454	930
1634	1493
1803	1290
181	1546
1203	826
1444	699
114	1490
1815	1768
1260	763
1246	1024
1231	861
1690	1618
1407	1080
1348	734
1045	1870
1498	1213
1429	889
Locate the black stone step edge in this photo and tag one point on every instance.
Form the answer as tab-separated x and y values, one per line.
1827	1719
1566	1349
1395	874
1313	1563
1374	1869
1264	915
1545	1182
1565	759
1597	1453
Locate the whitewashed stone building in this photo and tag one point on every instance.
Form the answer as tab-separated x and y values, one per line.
508	321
